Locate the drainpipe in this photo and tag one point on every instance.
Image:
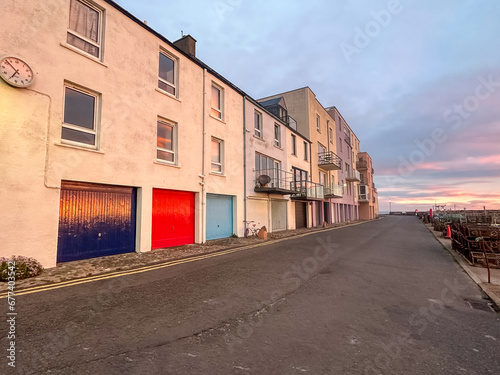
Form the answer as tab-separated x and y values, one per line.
244	166
202	176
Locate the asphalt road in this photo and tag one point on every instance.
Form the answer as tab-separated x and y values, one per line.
382	297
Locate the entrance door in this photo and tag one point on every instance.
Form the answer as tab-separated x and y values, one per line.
300	215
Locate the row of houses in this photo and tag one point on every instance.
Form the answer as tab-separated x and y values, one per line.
116	140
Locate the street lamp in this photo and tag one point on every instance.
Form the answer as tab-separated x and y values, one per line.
390	207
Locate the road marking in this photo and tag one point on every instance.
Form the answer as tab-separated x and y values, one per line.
166	264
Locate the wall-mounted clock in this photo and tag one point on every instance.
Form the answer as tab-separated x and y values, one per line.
15	71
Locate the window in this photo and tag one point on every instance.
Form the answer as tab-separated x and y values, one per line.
258	124
80	117
216	102
165	141
294	144
306	151
166	74
322	179
85	28
340	144
318	124
299	177
321	149
277	135
331	135
217	156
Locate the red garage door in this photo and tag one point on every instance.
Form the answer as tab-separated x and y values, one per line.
173	218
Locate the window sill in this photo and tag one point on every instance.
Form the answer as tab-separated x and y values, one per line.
166	163
259	138
167	94
82	148
278	147
218	174
218	119
74	49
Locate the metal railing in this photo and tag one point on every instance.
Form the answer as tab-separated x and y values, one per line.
310	190
290	121
329	158
361	165
353	175
334	191
275	180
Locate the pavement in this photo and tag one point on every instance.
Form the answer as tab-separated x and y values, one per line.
477	273
114	264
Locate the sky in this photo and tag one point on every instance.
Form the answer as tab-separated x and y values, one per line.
418	81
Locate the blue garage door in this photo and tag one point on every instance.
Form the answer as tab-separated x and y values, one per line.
219	216
95	220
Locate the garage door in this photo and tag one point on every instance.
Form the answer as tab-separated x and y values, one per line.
278	214
219	216
95	220
300	215
173	218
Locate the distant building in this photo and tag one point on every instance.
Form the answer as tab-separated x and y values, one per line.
346	207
367	193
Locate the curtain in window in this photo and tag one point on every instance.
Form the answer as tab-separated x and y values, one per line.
84	21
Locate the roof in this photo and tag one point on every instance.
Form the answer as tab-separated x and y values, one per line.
270	102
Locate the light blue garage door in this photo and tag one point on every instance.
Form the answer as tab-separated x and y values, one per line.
219	216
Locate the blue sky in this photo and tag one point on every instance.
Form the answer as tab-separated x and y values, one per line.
417	81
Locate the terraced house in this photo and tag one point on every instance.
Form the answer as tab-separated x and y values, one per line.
108	151
117	140
274	152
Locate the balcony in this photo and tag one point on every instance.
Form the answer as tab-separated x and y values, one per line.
363	194
309	190
329	161
353	176
290	121
275	181
336	191
361	165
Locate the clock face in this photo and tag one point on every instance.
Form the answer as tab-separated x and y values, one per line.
15	71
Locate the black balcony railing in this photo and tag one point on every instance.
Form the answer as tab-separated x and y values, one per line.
329	160
275	181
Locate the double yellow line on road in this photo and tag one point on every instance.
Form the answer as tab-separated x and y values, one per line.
157	266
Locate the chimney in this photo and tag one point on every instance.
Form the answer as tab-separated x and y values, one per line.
187	44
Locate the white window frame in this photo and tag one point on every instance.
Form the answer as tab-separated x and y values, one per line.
220	110
331	135
277	140
257	124
306	151
294	144
174	141
97	115
318	123
221	157
175	85
100	34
